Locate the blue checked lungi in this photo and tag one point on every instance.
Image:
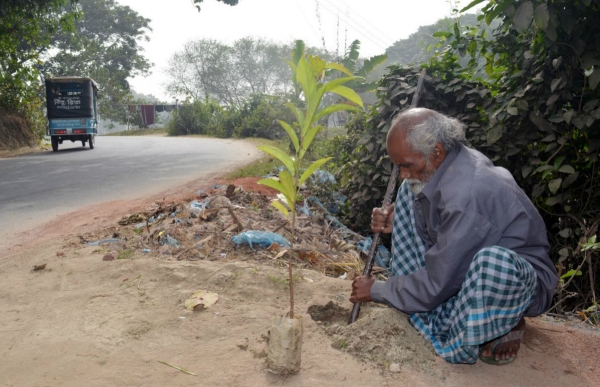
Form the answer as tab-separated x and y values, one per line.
498	288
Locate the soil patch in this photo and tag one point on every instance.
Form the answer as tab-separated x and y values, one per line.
383	336
15	132
250	184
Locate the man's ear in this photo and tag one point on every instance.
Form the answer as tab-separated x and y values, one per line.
438	155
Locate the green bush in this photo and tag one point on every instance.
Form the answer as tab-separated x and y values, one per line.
198	117
259	115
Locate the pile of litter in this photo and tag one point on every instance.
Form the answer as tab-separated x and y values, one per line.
227	223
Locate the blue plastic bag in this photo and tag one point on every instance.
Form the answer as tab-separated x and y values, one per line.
259	238
321	177
197	207
383	255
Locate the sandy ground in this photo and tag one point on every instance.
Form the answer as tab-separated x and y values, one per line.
83	321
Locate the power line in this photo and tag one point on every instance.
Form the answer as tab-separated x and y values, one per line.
362	17
357	26
307	21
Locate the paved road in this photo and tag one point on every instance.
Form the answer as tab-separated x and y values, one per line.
39	186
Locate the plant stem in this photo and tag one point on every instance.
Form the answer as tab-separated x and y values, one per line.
290	274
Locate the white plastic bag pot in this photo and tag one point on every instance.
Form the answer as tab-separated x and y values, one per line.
285	346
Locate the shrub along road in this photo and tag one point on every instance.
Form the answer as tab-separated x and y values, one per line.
39	187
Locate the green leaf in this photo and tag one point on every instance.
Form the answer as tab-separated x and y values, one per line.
570	274
317	65
568	115
556	62
348	93
298	51
277	204
297	112
558	162
526	170
497	10
553	201
554	185
312	168
339	67
595	78
273	184
523	14
334	108
565	233
541	16
471	5
327	87
543	168
290	188
566	169
304	75
553	98
279	155
495	134
554	84
292	133
570	179
309	136
513	111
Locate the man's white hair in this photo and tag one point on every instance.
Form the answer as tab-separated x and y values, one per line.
425	128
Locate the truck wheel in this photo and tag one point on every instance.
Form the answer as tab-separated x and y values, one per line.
92	141
54	141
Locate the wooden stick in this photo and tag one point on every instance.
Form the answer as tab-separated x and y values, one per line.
235	219
387	200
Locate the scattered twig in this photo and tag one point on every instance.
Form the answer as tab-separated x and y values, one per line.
138	285
180	255
177	368
280	227
235	219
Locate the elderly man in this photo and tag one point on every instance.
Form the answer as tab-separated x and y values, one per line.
469	249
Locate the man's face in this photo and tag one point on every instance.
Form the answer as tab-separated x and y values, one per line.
414	168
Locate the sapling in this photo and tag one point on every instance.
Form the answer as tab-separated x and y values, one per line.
308	73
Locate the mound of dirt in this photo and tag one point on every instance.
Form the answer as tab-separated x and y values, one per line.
381	335
15	132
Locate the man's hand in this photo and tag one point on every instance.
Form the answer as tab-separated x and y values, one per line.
361	289
382	219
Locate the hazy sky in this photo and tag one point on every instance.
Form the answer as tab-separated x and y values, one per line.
376	23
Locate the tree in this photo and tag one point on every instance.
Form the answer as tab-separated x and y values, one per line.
229	74
229	2
104	46
25	26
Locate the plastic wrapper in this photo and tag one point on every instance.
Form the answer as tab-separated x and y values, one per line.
259	238
285	346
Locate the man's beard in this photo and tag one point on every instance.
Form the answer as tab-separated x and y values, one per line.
416	186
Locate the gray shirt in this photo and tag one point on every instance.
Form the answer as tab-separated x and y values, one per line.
467	205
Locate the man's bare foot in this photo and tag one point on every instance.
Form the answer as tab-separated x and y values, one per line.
503	350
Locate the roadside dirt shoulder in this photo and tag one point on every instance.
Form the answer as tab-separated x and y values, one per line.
85	321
